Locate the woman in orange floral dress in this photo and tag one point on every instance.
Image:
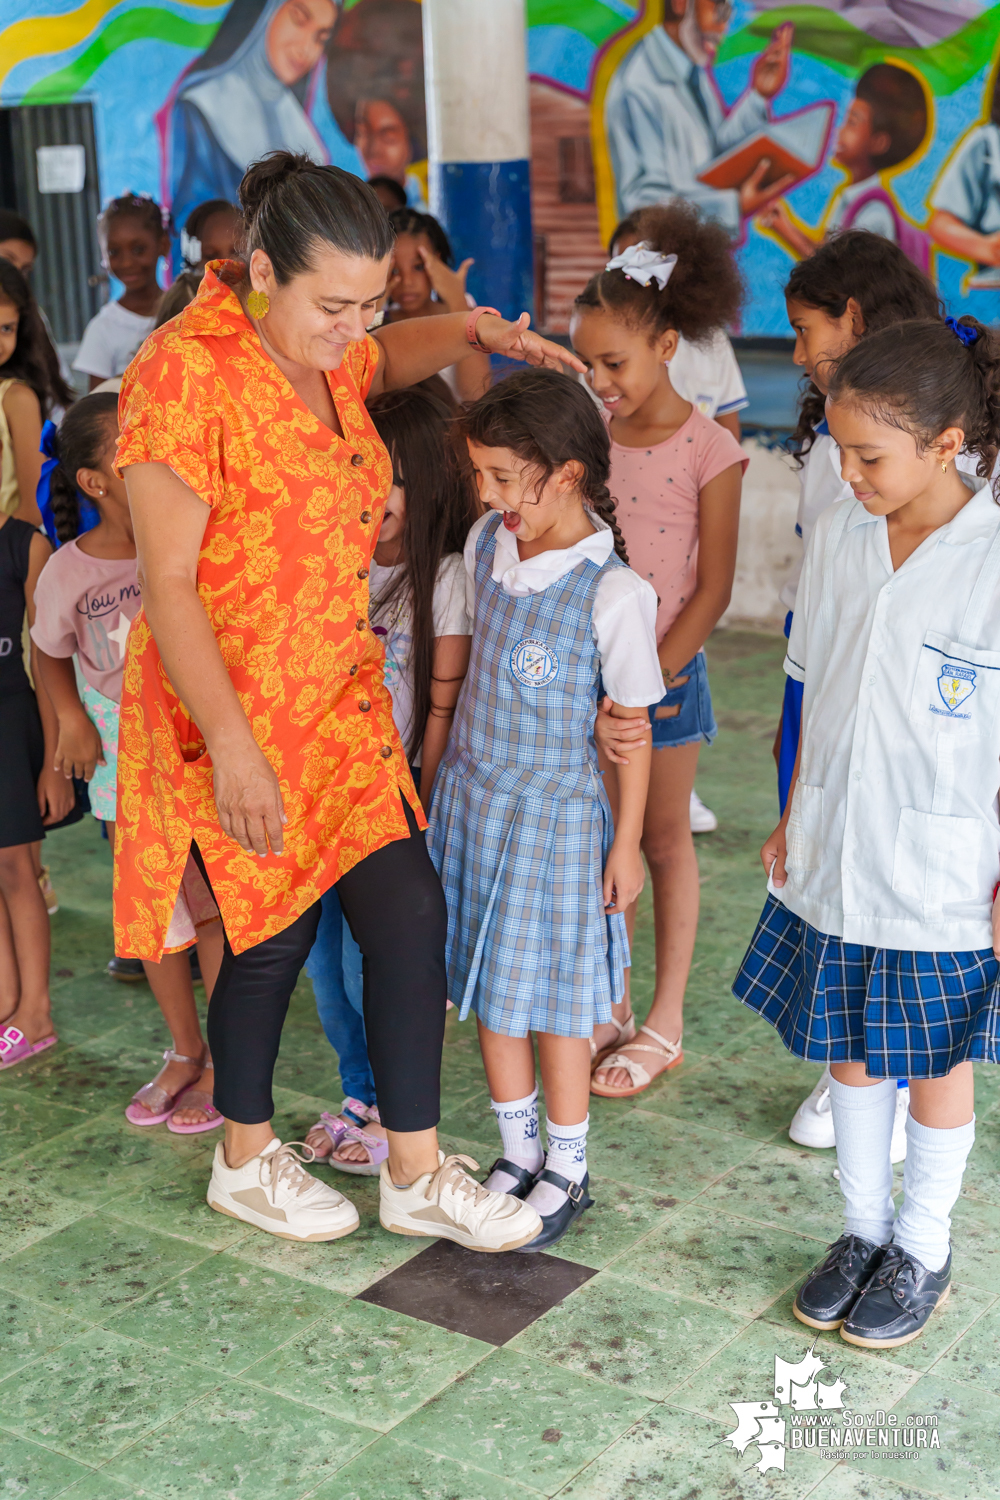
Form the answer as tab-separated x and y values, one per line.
255	725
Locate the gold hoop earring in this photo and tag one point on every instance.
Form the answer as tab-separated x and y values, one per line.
258	305
944	466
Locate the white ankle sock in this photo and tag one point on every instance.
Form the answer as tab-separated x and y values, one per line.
932	1180
518	1122
862	1119
567	1155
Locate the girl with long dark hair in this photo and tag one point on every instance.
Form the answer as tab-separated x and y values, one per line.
418	609
30	386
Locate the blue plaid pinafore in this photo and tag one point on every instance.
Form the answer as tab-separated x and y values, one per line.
521	827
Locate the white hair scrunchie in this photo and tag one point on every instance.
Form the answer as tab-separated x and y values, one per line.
644	264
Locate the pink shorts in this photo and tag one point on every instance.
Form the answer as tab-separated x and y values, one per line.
195	909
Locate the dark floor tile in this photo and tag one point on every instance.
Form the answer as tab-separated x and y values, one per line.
488	1297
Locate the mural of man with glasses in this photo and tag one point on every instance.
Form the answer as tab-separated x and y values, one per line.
665	122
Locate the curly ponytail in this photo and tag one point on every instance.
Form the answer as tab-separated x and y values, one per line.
928	374
86	431
704	293
547	419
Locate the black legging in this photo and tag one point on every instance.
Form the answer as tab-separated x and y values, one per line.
395	909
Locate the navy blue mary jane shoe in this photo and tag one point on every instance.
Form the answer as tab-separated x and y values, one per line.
554	1226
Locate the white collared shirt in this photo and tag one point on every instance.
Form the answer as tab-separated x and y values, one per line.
624	615
893	836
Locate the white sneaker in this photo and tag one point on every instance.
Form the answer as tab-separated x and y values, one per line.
272	1192
703	819
450	1205
812	1122
897	1150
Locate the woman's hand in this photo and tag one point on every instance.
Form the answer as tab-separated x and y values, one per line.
624	876
615	736
78	748
249	802
448	284
56	796
518	341
774	854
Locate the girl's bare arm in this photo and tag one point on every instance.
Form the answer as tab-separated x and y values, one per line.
55	795
451	662
718	532
24	418
623	874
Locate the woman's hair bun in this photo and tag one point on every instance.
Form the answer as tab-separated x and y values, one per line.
262	177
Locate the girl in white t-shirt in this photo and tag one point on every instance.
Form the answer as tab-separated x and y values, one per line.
133	237
418	609
877	951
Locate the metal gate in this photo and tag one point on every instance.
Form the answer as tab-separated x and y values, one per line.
67	279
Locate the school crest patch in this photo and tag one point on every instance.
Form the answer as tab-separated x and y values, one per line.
533	663
955	685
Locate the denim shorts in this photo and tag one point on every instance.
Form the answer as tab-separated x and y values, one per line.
695	721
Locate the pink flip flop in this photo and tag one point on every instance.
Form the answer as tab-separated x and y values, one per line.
15	1047
193	1098
151	1104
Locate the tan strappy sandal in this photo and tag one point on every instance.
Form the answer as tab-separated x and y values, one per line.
641	1079
626	1034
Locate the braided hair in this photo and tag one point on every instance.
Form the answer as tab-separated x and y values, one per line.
86	431
548	419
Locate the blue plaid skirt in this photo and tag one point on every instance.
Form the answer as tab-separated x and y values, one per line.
903	1014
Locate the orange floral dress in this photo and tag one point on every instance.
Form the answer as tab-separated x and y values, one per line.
295	513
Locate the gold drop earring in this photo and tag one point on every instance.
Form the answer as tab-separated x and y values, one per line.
258	305
944	466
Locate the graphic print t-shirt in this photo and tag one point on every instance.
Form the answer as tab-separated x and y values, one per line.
85	605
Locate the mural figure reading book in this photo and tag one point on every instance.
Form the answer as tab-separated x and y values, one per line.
665	123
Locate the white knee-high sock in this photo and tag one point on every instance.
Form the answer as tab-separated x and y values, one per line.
567	1155
862	1119
518	1122
932	1180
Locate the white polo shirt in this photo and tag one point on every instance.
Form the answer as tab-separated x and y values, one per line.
893	835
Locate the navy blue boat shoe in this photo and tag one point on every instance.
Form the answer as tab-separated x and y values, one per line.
831	1290
897	1302
554	1226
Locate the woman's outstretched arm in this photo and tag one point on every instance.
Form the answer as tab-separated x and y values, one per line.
417	347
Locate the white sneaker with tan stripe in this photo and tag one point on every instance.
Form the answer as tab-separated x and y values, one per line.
272	1192
450	1205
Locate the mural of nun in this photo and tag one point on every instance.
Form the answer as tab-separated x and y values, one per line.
244	96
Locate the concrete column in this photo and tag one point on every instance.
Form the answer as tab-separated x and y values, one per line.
478	139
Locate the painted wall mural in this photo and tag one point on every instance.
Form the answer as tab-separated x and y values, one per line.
783	121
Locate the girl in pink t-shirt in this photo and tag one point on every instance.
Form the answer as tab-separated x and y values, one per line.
676	478
85	599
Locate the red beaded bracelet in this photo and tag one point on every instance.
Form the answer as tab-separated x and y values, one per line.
470	326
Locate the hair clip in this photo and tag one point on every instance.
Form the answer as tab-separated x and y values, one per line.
644	264
962	331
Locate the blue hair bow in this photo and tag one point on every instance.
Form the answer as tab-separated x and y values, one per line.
89	514
962	331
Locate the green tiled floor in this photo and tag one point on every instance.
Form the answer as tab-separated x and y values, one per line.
149	1347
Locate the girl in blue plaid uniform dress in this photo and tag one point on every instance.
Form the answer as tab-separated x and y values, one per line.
877	949
535	876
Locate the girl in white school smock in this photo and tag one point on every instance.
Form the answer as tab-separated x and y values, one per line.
875	952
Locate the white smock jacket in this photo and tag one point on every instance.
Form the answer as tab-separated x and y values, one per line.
893	836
